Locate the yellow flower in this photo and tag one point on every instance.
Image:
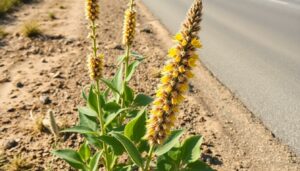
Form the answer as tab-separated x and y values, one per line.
173	52
165	79
196	43
192	62
178	37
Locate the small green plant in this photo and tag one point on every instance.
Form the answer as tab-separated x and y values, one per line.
7	5
3	33
31	29
51	15
18	163
116	119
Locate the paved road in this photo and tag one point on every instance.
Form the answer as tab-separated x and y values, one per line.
253	47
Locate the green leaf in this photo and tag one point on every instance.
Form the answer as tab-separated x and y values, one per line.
84	151
110	85
94	141
71	157
131	70
118	79
198	165
142	100
81	130
172	140
130	148
112	107
113	116
88	121
143	146
113	143
94	163
164	164
191	149
136	128
120	59
92	99
83	94
87	111
137	56
129	94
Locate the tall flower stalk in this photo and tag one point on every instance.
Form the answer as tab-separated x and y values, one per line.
95	64
175	76
129	27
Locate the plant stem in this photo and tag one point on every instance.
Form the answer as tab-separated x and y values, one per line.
99	111
149	158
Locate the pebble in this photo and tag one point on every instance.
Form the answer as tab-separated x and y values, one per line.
11	109
10	144
20	85
45	99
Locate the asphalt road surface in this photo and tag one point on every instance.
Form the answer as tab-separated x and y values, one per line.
253	47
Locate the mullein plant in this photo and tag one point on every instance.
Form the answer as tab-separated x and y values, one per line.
115	119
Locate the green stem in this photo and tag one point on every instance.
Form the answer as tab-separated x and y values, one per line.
149	158
100	112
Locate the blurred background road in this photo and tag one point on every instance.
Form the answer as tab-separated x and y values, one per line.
253	47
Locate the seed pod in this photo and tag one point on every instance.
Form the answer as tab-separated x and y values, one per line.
95	65
175	76
92	9
129	26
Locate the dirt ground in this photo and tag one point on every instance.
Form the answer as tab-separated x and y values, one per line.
49	72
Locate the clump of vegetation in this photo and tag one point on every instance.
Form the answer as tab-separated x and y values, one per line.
18	163
116	119
31	29
7	5
3	33
51	15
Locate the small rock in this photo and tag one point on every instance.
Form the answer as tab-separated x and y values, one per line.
146	30
44	60
45	99
10	144
20	85
118	47
11	109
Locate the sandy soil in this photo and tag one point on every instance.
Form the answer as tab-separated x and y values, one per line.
49	72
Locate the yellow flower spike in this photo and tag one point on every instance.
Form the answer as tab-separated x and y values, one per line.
95	66
92	9
129	26
196	43
175	77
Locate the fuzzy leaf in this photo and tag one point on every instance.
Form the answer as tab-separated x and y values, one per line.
130	148
191	149
113	143
94	163
110	85
136	128
112	107
88	121
87	111
118	80
71	157
142	100
84	151
131	70
172	140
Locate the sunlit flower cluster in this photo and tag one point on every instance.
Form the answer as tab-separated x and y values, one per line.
175	75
